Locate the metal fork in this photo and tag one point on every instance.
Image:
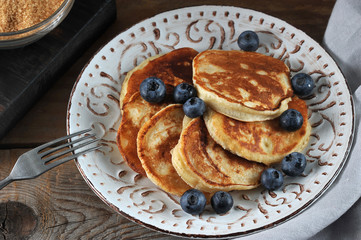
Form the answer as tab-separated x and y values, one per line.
37	161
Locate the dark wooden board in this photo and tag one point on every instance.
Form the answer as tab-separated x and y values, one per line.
27	72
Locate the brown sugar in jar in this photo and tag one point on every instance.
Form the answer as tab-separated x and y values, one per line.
16	15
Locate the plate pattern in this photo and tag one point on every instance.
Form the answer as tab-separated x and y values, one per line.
94	103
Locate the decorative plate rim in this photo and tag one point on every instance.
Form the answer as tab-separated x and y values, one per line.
240	233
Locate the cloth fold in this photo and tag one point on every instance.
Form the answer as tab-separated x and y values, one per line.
342	39
326	218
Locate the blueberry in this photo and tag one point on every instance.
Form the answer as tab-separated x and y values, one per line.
294	164
221	202
291	120
272	179
193	201
248	41
153	90
194	107
183	92
302	84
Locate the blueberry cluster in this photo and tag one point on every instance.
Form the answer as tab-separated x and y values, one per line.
193	201
302	85
153	90
292	165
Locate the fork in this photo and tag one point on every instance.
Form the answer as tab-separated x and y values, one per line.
37	161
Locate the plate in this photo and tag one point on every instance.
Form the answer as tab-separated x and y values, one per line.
94	103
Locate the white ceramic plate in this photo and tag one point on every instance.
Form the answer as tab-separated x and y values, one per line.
94	103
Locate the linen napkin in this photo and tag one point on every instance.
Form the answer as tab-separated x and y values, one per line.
342	41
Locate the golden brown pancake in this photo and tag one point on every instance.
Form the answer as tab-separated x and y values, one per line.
246	86
265	142
205	165
173	68
136	112
156	138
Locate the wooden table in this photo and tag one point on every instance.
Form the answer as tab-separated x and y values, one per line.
59	204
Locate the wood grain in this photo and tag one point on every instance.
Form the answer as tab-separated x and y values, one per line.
59	204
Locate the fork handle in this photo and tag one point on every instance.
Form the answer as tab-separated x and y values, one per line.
5	182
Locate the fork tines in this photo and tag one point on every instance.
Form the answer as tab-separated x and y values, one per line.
70	147
71	157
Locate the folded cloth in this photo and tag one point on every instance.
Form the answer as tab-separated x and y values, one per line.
341	40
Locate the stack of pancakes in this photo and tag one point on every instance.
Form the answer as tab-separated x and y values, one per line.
236	139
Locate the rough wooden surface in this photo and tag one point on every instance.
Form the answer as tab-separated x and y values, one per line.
59	204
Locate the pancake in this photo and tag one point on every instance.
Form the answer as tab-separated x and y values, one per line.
135	113
265	142
156	138
205	165
246	86
173	68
